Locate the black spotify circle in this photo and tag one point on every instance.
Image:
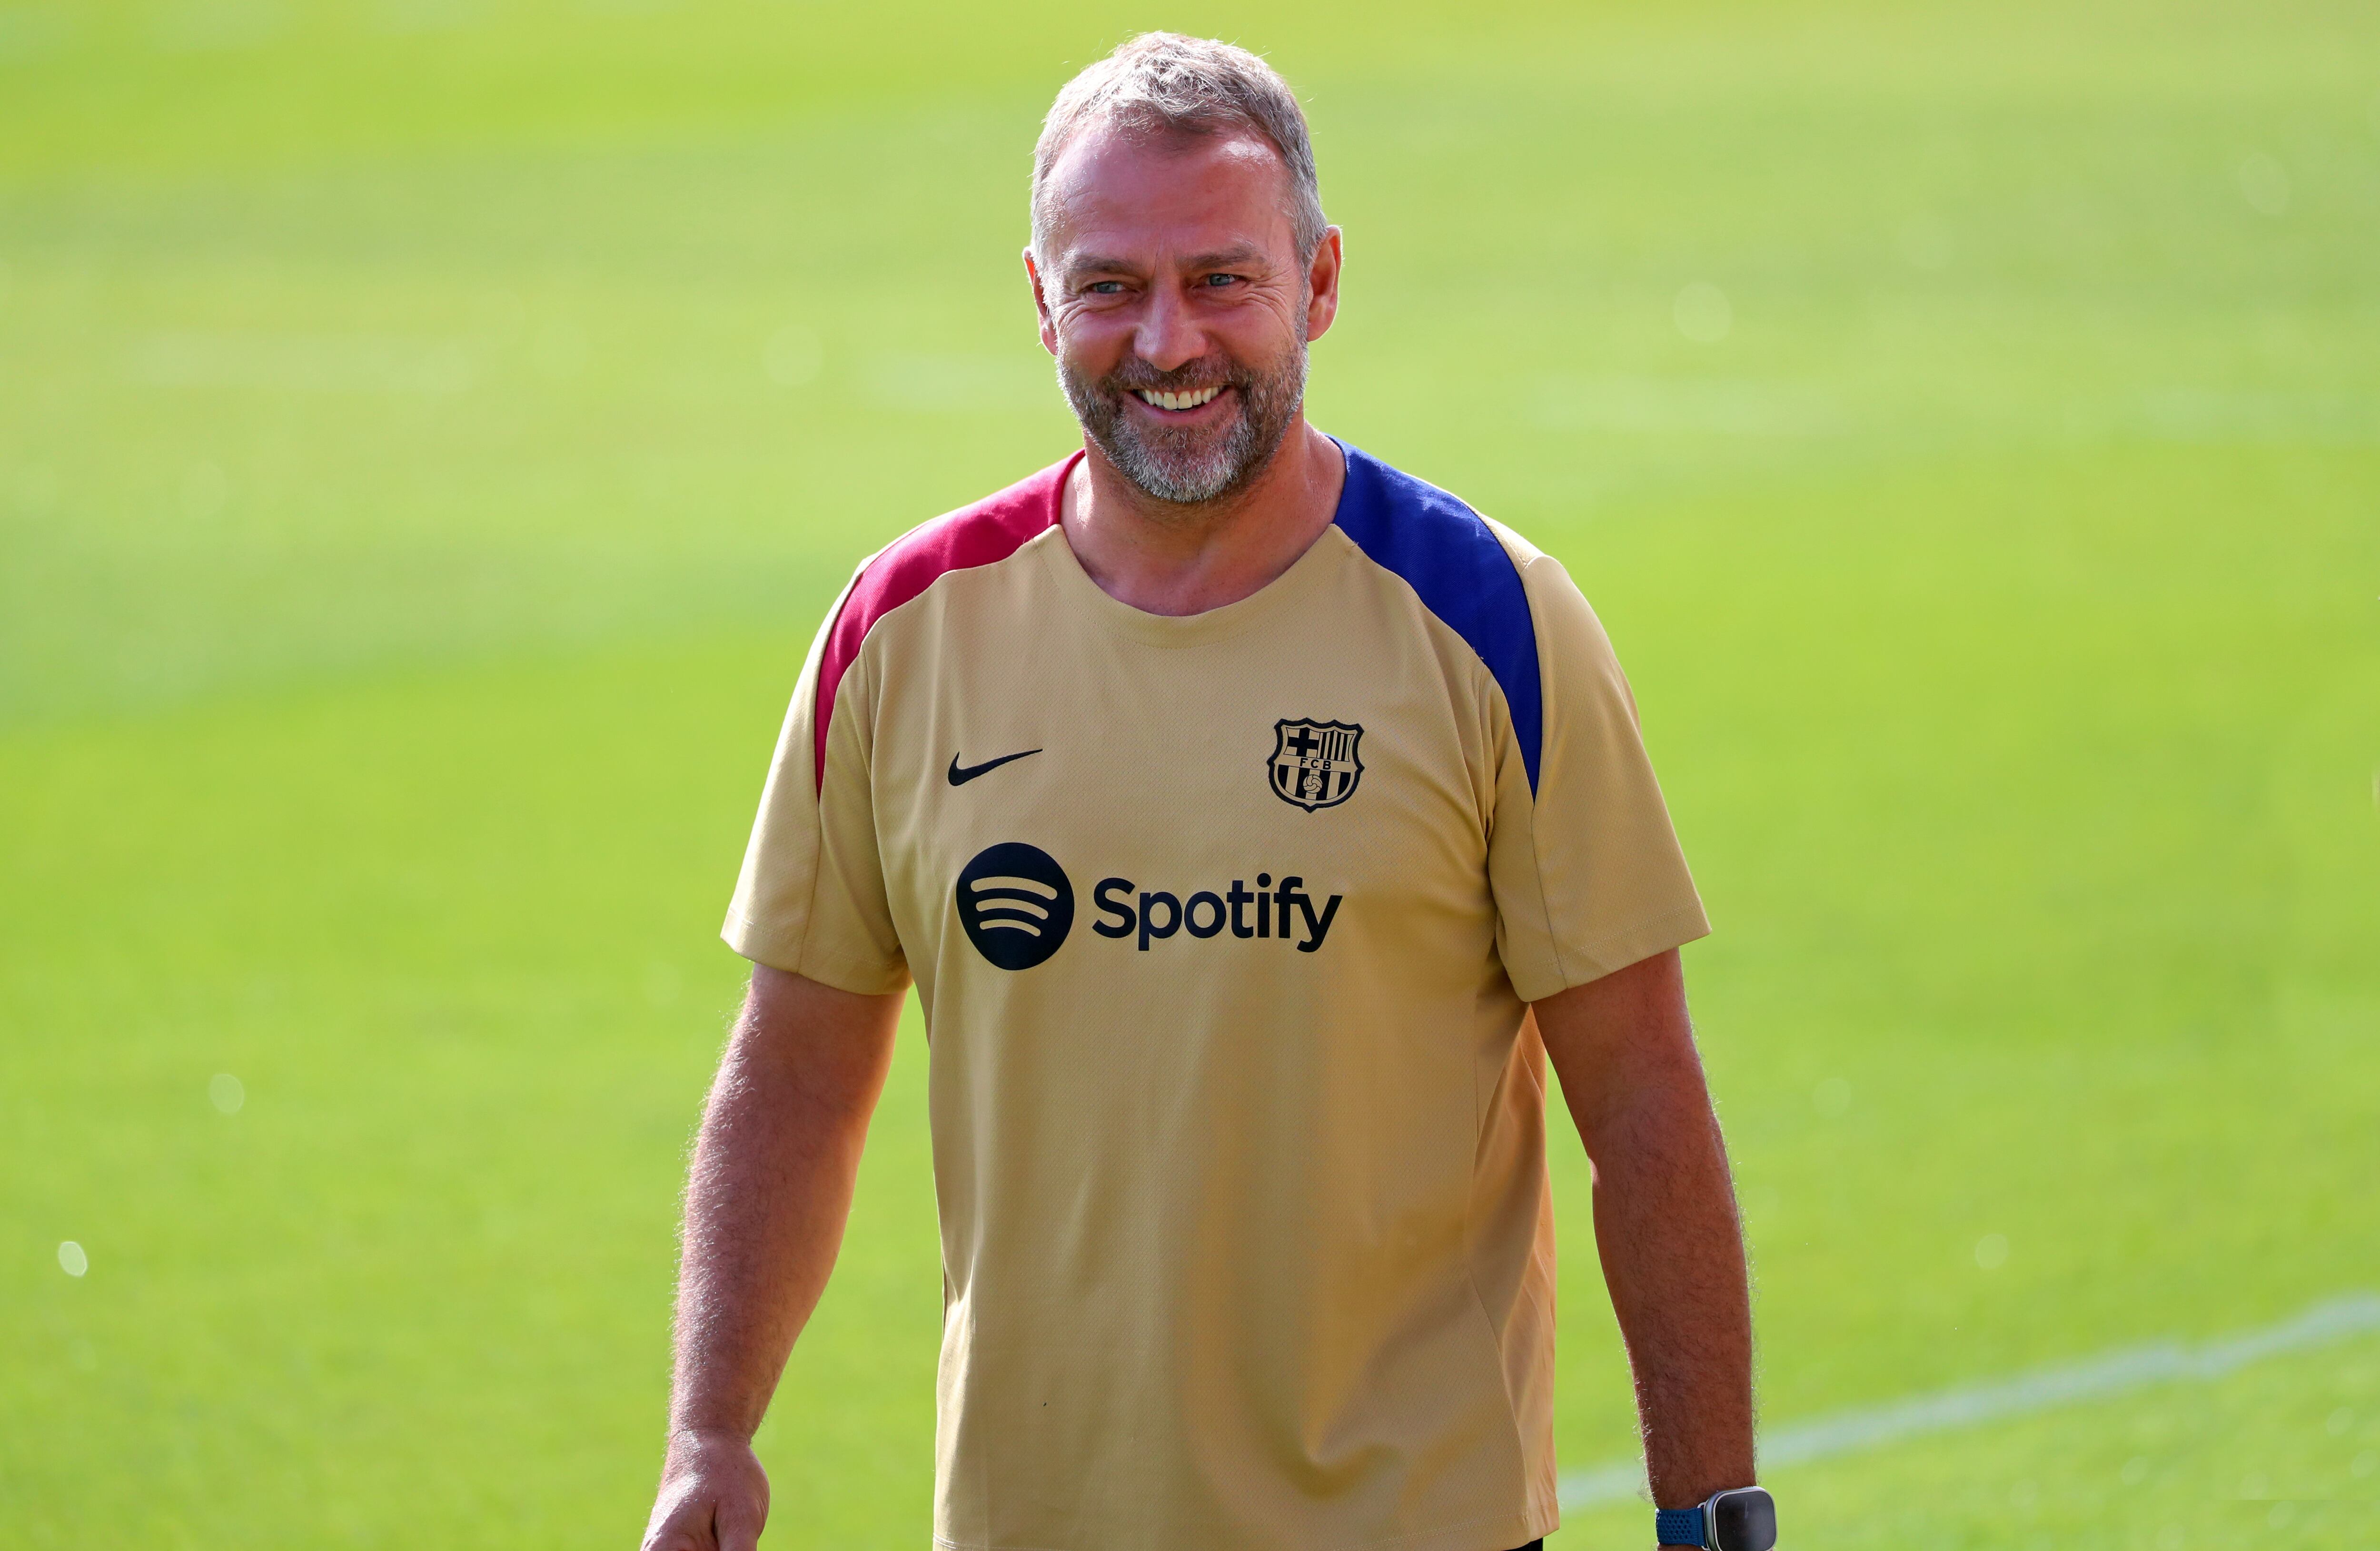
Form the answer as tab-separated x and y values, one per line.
1016	903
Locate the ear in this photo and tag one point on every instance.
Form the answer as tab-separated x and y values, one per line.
1322	283
1041	303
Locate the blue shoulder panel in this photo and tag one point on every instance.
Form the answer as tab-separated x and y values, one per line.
1445	551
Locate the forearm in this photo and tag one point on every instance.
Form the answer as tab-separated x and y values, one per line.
770	1191
1672	1251
1665	1220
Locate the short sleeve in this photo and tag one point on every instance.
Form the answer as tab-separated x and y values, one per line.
1586	869
811	898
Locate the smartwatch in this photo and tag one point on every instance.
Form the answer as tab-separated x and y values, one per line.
1741	1519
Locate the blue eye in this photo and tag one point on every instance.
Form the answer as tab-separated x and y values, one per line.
1219	280
1104	287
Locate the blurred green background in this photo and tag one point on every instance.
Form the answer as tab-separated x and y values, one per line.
430	431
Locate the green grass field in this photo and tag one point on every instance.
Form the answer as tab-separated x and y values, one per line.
430	429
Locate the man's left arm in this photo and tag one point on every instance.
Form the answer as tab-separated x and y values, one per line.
1665	1220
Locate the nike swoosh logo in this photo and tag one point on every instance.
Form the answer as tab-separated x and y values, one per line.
961	775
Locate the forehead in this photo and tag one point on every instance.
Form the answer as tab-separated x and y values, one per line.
1130	193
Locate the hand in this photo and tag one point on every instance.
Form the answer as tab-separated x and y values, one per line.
715	1496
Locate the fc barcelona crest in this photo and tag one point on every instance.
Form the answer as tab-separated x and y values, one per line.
1313	763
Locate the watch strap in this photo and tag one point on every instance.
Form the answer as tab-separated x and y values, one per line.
1679	1526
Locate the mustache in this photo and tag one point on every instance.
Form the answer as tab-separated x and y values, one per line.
1137	376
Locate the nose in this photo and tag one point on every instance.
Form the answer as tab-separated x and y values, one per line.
1167	336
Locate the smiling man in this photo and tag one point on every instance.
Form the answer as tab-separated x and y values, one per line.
1254	821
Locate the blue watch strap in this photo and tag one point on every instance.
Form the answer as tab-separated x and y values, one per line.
1679	1526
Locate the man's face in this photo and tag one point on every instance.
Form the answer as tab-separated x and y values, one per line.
1176	307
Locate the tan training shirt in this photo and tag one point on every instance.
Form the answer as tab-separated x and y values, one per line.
1224	929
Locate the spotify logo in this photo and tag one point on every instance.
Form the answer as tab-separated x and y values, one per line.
1016	903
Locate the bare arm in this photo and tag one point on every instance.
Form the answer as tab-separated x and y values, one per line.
1665	1220
765	1206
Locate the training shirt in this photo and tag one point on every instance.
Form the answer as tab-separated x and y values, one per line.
1224	928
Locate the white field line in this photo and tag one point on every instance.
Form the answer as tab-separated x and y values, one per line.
1968	1405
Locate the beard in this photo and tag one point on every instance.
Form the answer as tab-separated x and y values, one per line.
1187	466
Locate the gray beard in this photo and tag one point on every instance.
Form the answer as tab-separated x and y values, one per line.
1189	468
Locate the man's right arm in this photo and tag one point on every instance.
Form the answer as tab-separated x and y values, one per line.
765	1206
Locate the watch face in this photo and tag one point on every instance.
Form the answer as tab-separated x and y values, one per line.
1746	1520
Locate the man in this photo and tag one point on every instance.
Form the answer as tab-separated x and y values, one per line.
1254	820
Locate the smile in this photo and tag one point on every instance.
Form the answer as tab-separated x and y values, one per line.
1177	401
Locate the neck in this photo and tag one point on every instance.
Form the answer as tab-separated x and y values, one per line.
1167	559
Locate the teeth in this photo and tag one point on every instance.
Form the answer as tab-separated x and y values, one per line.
1178	401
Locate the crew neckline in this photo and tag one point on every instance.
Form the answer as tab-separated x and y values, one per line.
1209	624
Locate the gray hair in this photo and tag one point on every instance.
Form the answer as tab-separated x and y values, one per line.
1166	83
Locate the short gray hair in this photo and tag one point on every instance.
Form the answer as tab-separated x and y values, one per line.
1165	83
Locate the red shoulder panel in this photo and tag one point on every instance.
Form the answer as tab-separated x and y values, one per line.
986	532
